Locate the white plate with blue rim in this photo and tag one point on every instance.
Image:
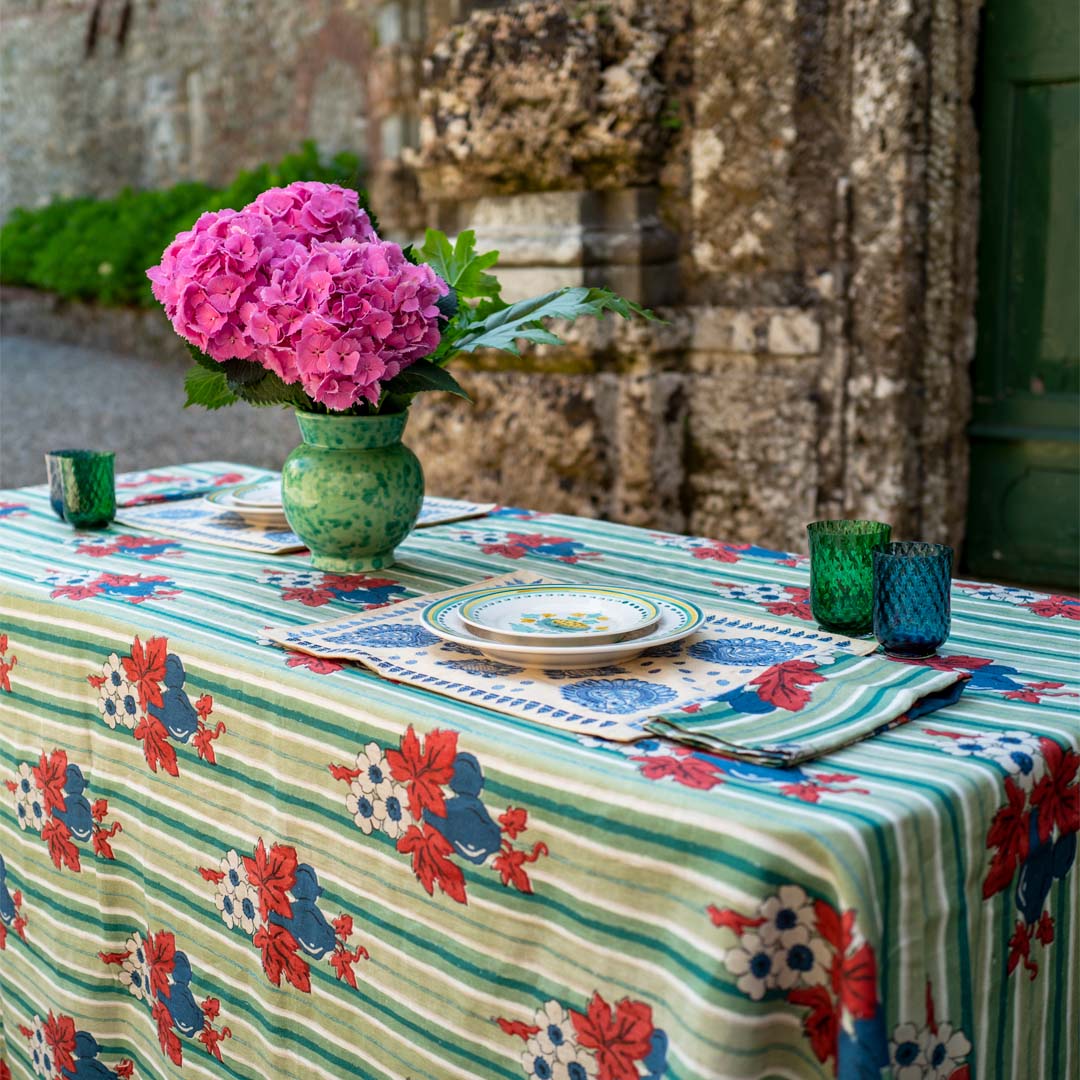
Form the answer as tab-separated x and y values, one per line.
678	619
560	615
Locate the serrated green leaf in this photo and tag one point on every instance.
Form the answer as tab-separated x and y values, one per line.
448	304
502	329
242	373
459	265
269	389
202	359
421	376
210	389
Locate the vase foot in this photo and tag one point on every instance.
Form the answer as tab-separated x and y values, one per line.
358	565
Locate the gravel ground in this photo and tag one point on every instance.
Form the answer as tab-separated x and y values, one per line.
54	396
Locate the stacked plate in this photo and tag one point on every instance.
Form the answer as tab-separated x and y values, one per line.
258	503
562	626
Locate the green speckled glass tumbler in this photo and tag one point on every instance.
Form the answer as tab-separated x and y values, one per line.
88	482
842	573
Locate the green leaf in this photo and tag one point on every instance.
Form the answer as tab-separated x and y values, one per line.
210	389
422	375
242	373
269	389
448	305
502	329
459	266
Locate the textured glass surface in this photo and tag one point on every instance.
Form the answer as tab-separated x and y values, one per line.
842	574
89	488
912	609
53	458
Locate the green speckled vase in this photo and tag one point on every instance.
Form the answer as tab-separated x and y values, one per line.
352	490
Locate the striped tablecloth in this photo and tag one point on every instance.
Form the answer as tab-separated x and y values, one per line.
224	860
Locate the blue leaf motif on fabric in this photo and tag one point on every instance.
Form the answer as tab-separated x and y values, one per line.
387	636
748	651
489	669
617	696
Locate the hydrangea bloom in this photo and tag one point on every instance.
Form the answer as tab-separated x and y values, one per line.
344	317
298	282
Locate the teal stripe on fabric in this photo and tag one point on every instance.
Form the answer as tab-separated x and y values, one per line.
660	861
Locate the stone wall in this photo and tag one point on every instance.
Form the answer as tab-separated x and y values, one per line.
792	183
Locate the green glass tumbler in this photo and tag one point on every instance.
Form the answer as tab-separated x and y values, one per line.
842	573
88	483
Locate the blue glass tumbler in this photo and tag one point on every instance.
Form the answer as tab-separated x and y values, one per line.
912	603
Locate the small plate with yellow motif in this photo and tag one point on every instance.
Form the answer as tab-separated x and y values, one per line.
559	615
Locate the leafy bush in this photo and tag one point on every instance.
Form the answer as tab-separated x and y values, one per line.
99	249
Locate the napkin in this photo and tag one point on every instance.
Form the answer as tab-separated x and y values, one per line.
754	689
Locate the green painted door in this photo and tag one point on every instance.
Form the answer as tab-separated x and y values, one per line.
1024	515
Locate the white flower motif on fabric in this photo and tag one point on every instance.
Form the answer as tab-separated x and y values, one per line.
556	1029
755	964
374	770
785	914
581	1065
236	898
108	705
974	745
1003	594
802	959
40	1053
390	808
1021	754
128	711
361	805
944	1051
29	808
1018	752
907	1053
135	970
757	594
537	1064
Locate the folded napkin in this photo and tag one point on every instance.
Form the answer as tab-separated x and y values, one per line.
184	482
754	689
198	519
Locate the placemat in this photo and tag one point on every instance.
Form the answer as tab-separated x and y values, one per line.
197	519
183	512
755	689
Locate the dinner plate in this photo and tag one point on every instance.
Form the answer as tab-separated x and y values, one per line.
560	615
261	493
678	619
255	515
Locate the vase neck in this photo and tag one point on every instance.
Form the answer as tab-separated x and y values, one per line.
351	432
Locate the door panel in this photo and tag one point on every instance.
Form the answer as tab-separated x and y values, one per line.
1025	469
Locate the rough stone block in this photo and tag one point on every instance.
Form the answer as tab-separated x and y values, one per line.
751	464
535	441
796	333
554	238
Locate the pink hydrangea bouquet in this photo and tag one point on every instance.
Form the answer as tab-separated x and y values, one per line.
295	300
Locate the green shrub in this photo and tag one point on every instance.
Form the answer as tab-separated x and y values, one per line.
99	249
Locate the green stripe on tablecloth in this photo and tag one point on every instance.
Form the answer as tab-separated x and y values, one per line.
619	904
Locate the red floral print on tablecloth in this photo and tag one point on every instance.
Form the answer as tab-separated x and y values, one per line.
49	799
425	795
158	974
145	692
273	899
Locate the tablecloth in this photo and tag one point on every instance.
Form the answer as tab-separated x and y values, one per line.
224	860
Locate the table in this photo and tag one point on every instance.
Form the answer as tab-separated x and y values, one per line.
218	858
